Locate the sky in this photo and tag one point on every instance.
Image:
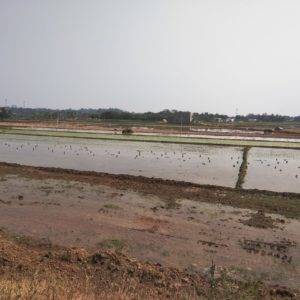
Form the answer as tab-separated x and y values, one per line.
233	56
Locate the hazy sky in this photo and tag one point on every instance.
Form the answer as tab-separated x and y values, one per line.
139	55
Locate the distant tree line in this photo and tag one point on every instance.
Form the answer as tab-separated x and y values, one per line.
19	113
266	118
170	116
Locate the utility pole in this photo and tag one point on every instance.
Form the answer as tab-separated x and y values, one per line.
181	125
236	114
181	134
57	118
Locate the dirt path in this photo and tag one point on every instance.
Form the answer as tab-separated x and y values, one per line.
160	225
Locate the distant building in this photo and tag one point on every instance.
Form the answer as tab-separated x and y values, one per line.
191	117
230	120
278	128
178	117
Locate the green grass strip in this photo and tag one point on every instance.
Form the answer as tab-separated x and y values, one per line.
154	138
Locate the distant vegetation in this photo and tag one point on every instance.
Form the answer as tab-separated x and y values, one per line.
168	116
4	113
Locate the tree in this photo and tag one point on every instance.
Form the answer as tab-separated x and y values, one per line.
4	113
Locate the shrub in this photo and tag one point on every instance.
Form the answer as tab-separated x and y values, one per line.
127	131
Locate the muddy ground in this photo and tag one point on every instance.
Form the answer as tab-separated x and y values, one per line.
174	225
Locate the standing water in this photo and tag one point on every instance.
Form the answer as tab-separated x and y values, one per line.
274	170
200	164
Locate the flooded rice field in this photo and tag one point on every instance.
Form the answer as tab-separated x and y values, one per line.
273	169
192	163
268	169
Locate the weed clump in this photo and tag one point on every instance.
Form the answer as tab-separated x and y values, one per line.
114	244
111	206
260	220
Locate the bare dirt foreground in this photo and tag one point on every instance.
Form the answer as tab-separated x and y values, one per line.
71	234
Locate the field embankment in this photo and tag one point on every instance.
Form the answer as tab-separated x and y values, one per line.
243	168
153	138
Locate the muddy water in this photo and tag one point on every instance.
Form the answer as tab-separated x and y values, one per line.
193	163
274	170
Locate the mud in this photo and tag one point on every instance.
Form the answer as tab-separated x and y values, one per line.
170	190
93	212
278	250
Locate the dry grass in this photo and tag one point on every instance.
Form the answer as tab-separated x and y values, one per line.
33	270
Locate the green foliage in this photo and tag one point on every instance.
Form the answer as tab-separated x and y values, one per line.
172	116
115	244
4	113
111	206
